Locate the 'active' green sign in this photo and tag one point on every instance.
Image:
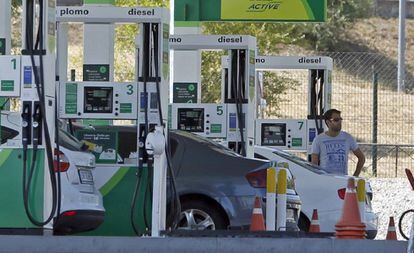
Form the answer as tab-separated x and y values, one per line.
251	10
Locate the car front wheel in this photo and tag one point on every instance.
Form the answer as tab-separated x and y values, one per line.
198	215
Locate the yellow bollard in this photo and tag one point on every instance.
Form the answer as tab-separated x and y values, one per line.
361	198
281	199
271	199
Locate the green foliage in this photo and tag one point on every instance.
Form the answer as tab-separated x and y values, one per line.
125	43
321	37
341	14
269	36
275	87
128	3
16	3
125	52
211	76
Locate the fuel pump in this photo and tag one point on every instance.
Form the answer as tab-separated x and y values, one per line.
29	185
142	101
226	122
295	134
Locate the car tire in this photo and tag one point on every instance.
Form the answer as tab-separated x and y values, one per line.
304	223
199	215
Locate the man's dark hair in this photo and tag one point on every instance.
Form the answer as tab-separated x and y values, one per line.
328	114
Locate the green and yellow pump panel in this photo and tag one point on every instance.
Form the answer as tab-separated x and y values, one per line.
12	213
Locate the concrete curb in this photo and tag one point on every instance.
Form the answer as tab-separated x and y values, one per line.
77	244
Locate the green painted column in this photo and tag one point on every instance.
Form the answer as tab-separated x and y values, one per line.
12	213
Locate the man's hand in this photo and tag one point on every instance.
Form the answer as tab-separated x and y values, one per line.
361	160
315	159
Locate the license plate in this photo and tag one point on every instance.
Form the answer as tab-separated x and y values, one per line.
85	176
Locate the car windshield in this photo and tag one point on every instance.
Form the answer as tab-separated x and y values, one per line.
300	161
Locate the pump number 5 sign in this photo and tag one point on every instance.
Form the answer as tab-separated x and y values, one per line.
220	110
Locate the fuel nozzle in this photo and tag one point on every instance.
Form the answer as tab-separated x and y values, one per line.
37	117
25	124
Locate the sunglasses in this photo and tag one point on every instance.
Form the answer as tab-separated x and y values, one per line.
336	119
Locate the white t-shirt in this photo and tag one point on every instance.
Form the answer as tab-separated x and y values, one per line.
333	151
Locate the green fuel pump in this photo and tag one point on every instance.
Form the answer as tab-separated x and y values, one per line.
139	101
27	168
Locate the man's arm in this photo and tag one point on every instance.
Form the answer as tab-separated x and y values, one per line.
315	151
361	160
315	159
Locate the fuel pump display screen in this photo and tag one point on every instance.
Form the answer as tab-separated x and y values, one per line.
153	101
191	119
274	134
98	100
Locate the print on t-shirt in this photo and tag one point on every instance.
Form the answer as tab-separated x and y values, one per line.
335	151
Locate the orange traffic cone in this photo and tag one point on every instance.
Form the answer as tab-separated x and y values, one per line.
257	223
350	225
314	226
391	234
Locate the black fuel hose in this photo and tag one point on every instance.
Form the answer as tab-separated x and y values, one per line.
39	82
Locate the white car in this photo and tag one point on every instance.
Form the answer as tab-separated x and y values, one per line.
81	203
319	190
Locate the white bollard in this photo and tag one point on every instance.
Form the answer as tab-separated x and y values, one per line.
281	200
155	145
271	199
410	247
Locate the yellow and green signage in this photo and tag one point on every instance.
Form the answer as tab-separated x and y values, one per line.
266	10
251	10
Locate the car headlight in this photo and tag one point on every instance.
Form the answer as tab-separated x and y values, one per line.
291	183
372	220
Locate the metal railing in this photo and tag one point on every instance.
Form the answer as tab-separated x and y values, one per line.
385	160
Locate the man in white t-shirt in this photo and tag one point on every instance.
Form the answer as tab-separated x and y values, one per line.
330	149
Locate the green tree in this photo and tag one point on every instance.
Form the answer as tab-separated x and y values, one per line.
341	15
321	37
161	3
269	36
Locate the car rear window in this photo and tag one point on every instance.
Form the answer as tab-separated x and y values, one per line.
302	162
69	141
173	144
256	155
212	144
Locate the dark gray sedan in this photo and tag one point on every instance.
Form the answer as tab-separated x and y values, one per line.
215	185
